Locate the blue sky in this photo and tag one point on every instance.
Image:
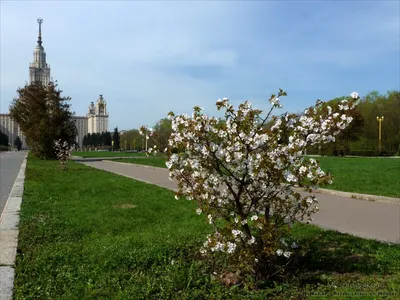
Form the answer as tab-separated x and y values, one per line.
148	58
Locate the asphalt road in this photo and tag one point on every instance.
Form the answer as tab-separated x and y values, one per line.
374	220
10	163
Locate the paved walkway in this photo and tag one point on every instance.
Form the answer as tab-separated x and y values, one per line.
363	218
12	171
10	163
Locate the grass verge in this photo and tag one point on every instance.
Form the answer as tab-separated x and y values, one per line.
89	234
375	176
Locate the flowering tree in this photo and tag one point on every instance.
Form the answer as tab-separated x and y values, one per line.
241	175
148	132
63	151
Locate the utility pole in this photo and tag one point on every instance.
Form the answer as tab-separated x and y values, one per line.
380	119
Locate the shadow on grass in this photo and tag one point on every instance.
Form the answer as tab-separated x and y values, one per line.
343	257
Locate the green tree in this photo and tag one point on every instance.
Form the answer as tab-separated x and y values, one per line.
102	135
98	137
44	116
163	130
107	138
89	139
18	143
116	139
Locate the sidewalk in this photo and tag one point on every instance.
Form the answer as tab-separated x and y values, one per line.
375	220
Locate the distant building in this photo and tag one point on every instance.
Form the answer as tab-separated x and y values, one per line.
9	127
96	120
97	116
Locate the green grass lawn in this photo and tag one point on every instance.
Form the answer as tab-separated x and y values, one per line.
105	154
89	234
375	176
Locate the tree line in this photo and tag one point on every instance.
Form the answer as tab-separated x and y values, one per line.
361	138
134	141
97	139
102	139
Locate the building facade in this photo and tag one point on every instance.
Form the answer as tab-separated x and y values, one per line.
96	120
97	116
9	127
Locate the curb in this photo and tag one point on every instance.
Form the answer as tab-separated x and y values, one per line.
9	221
365	197
137	165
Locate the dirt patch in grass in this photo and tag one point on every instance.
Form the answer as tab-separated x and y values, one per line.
125	206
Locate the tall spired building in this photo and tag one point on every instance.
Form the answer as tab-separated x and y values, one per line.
39	70
96	120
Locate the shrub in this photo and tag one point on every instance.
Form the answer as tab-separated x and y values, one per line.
241	174
63	151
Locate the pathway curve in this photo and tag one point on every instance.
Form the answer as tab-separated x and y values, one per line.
375	220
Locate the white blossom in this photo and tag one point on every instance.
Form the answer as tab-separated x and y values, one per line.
354	95
251	241
287	254
231	247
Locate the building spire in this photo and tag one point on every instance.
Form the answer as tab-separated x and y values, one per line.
40	21
39	70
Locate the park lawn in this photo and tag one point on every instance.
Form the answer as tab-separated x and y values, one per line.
366	175
90	234
86	154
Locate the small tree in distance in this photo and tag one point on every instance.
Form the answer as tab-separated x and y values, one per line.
116	139
241	175
18	143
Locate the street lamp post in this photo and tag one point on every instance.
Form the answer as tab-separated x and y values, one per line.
380	119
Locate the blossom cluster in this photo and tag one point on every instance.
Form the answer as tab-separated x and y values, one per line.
241	171
63	151
148	132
